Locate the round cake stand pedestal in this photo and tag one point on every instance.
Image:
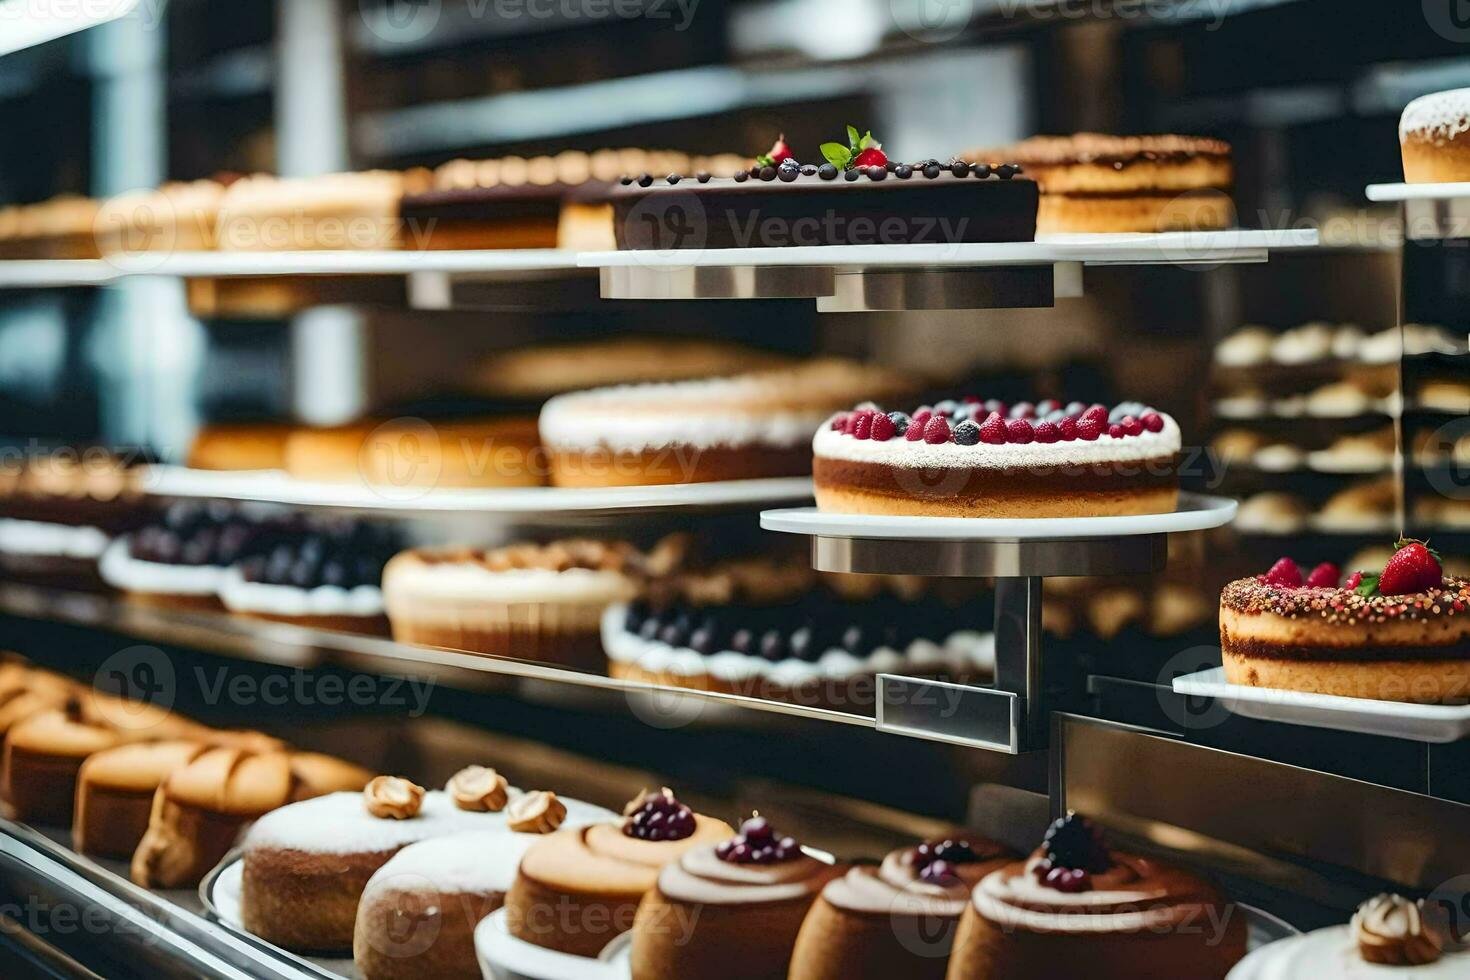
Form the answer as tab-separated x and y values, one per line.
1011	715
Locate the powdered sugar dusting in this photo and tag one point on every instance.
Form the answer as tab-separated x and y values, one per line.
1437	117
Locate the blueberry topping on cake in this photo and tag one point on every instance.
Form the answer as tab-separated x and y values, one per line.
758	843
1072	843
658	817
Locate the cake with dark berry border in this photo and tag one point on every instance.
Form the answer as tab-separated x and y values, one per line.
1389	936
747	426
326	575
766	629
729	911
1091	182
1402	634
1075	900
180	559
986	459
578	890
897	919
857	196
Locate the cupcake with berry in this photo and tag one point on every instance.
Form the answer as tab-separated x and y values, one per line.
180	559
1076	900
326	575
1399	634
897	919
578	890
770	629
729	911
974	458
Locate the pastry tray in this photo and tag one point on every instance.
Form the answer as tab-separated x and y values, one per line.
276	487
1392	719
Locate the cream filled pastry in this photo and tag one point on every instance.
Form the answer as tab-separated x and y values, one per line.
987	459
741	427
579	889
729	911
1076	901
1389	936
895	920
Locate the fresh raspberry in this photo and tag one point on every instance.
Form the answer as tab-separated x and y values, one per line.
921	417
1131	426
1088	430
1116	431
1023	410
1048	432
1324	576
993	430
1068	429
1153	421
864	426
915	431
1353	581
838	421
1285	575
1413	568
1098	414
883	428
936	431
1020	431
871	157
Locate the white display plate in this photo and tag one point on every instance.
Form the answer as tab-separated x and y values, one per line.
1393	719
220	892
1417	192
215	265
1262	929
272	486
1166	248
1330	953
1196	512
504	957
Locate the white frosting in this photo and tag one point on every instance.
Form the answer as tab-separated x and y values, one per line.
1332	953
477	862
122	571
963	649
339	823
240	595
1439	116
830	444
41	538
471	581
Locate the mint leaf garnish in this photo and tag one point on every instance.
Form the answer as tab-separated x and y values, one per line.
837	155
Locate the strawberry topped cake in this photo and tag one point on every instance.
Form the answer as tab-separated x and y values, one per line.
976	458
1402	634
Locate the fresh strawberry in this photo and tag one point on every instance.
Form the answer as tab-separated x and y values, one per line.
778	153
1285	575
1324	576
871	157
1353	581
1413	568
1098	414
1089	429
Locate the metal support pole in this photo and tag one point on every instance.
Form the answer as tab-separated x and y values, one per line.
1018	653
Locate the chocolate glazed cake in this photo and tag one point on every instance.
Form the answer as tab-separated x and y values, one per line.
923	203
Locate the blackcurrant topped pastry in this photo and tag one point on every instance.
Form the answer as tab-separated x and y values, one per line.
984	458
180	559
855	195
897	919
328	575
740	903
1075	900
763	628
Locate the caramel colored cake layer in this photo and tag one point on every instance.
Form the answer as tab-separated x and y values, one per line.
675	464
1434	134
1205	210
1413	648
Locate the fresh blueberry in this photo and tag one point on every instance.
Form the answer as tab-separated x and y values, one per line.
967	433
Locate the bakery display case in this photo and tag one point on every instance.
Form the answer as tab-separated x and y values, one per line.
538	494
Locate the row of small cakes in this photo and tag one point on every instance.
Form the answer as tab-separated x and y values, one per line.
139	783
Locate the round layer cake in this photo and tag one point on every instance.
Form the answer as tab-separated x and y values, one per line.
729	911
1373	636
742	427
987	459
1075	901
1091	182
898	919
1434	135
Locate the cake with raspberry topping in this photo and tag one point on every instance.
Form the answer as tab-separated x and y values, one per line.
976	458
578	890
729	911
742	427
853	195
1402	634
897	919
1091	182
1075	900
